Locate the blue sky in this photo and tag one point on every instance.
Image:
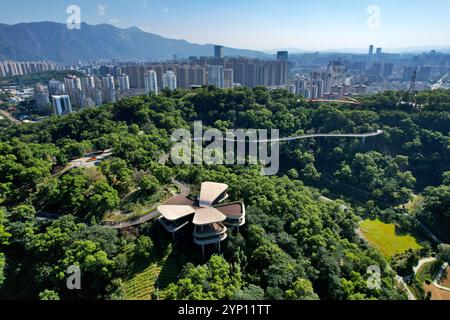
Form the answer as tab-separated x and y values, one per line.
259	24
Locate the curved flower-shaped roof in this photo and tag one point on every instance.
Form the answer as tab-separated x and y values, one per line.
205	213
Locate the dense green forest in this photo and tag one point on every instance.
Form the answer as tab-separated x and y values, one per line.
295	245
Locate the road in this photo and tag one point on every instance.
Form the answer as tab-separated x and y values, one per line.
429	232
87	161
306	136
421	263
439	275
402	282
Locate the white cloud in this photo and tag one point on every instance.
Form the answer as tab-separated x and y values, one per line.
143	4
165	10
102	9
114	21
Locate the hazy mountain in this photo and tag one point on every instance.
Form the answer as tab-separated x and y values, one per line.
55	42
290	50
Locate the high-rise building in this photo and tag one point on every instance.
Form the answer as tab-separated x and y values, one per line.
151	82
108	82
291	88
61	105
41	97
408	73
72	83
136	75
371	49
228	78
75	91
379	51
88	82
197	76
300	86
388	69
169	80
377	68
219	52
337	75
216	76
13	68
282	56
319	84
424	73
56	88
124	82
109	93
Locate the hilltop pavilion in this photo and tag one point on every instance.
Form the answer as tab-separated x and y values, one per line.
211	218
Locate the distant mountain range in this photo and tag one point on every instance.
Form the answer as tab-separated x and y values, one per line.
55	42
401	50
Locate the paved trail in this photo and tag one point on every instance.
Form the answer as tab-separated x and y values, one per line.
305	136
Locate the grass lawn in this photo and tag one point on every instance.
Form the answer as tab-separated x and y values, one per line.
383	237
427	272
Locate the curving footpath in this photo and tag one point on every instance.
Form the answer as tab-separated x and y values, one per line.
184	190
306	136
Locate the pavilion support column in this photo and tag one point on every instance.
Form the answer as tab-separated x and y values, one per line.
173	236
203	251
219	246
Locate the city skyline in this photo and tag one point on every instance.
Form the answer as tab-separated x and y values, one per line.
268	25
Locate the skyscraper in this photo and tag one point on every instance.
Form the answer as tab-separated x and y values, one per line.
61	105
282	56
219	52
216	76
424	73
108	82
87	82
300	86
109	93
408	73
169	80
371	50
75	91
42	100
124	82
319	84
228	77
388	69
56	88
72	83
379	50
151	82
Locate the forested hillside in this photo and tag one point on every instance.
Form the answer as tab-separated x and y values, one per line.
295	245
